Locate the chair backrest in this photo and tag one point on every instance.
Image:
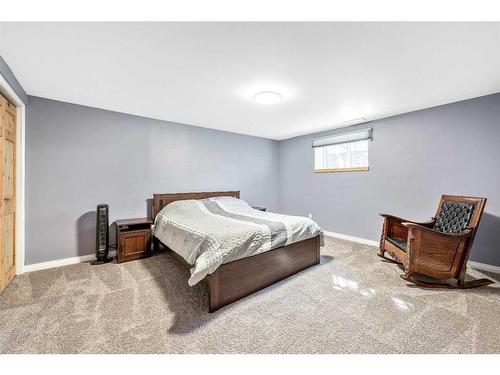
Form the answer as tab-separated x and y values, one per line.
455	213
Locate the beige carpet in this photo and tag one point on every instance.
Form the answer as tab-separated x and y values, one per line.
352	302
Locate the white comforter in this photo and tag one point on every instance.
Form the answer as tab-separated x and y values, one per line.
210	232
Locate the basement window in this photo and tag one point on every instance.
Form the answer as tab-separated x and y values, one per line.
345	152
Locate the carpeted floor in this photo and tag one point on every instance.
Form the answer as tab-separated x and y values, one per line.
353	302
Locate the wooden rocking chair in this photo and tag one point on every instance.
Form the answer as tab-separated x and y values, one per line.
438	248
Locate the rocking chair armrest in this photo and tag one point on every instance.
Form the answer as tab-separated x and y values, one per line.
388	216
466	233
400	220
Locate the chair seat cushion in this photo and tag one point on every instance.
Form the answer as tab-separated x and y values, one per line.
399	242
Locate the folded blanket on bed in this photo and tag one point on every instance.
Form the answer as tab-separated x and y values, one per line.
210	232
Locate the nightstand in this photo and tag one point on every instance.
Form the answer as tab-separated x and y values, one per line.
133	239
259	208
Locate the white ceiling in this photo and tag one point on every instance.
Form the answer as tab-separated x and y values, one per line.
206	74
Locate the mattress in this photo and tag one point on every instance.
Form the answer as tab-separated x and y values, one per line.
214	231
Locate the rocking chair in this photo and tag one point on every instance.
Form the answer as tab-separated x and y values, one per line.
438	248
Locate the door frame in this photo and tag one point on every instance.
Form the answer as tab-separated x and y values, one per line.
11	95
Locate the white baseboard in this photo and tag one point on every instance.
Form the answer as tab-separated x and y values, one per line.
91	257
352	238
484	267
470	263
62	262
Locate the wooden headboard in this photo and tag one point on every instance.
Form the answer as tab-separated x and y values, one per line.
161	200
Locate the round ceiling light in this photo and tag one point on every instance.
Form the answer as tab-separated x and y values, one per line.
267	97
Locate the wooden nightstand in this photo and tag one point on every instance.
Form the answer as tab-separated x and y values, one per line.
133	239
259	208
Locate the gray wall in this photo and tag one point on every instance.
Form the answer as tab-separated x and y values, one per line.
77	157
414	158
12	80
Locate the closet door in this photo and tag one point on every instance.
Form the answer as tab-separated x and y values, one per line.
8	192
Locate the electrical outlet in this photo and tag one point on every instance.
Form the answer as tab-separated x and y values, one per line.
310	216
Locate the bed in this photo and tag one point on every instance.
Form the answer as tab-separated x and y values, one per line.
235	249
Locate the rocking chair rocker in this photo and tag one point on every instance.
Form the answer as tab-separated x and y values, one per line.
438	248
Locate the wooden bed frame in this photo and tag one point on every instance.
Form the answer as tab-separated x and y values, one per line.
235	280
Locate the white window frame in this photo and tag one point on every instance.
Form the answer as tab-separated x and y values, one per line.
342	138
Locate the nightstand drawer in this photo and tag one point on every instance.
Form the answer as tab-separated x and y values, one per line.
133	240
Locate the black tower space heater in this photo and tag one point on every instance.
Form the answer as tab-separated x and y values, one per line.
102	235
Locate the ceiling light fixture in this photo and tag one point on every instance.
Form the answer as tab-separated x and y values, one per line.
267	97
